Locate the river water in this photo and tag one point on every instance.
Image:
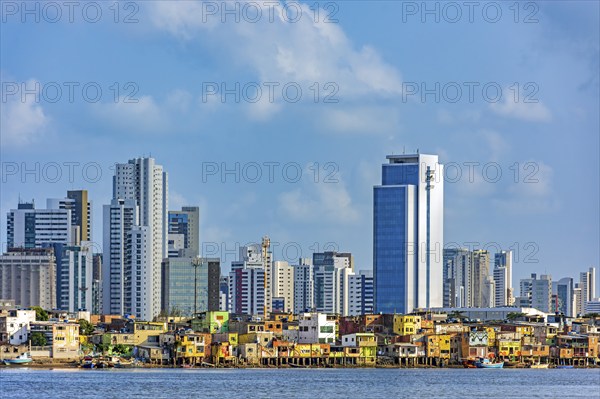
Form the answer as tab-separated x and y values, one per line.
299	383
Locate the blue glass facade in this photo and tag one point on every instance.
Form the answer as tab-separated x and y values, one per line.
389	248
408	224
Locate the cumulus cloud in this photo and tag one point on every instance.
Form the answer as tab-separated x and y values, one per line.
319	201
142	116
532	192
362	120
303	51
23	120
521	109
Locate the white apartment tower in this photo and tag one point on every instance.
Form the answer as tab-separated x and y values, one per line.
120	217
332	273
141	184
282	285
247	282
502	274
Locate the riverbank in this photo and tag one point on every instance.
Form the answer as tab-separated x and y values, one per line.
56	364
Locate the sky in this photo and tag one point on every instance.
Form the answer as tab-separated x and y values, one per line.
275	118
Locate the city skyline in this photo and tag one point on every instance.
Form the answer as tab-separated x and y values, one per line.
227	251
150	253
546	149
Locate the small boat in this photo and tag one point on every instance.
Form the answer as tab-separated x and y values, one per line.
469	364
88	364
486	364
564	366
21	359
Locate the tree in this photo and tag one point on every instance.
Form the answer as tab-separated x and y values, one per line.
512	316
102	348
121	349
85	327
38	339
40	314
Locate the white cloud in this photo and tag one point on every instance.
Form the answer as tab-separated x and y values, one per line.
318	202
532	192
362	120
177	200
23	120
527	111
496	143
143	116
281	51
147	115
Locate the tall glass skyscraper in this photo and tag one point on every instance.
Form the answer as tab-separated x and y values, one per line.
408	224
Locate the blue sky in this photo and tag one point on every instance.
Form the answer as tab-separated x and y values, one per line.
374	57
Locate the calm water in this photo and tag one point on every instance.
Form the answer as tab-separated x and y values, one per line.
295	383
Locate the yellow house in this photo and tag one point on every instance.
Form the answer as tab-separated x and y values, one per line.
438	346
366	343
406	324
525	331
192	348
146	332
509	348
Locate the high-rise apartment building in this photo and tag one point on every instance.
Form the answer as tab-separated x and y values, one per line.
587	282
480	273
282	287
331	274
28	227
120	217
66	227
78	203
537	292
303	286
185	223
503	295
133	255
360	293
247	286
457	275
562	296
408	224
75	278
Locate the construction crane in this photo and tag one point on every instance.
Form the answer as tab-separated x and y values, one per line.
266	244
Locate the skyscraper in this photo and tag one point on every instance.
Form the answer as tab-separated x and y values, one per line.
408	224
332	271
587	282
64	226
537	293
562	293
135	239
186	223
360	293
503	279
190	285
81	212
282	286
481	271
457	277
247	282
303	286
27	227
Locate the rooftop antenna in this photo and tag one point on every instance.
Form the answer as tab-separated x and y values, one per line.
403	150
417	150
